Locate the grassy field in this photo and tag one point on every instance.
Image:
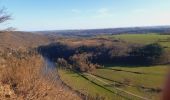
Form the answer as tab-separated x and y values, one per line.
141	38
77	82
150	78
164	40
148	84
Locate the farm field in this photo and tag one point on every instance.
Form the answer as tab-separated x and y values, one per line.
164	40
144	81
141	38
77	82
144	85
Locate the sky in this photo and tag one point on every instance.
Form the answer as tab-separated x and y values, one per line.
35	15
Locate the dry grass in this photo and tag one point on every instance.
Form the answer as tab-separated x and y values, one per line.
75	42
17	40
22	79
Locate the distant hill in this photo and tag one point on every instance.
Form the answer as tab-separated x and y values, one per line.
21	39
27	39
93	32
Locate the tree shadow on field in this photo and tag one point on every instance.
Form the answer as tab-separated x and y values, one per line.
108	65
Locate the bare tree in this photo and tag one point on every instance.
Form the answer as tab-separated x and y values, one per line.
4	16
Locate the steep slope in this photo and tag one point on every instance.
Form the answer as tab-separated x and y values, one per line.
21	70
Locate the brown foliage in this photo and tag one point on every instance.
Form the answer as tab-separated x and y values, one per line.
22	79
61	62
81	62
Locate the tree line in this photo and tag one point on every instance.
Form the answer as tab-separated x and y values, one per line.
87	58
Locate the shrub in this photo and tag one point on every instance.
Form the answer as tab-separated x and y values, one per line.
27	79
62	63
82	63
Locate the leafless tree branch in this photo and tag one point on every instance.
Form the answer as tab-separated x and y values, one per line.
4	16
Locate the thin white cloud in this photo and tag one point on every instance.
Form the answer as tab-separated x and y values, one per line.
139	11
146	17
75	11
103	13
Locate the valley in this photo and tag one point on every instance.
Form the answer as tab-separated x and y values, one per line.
99	67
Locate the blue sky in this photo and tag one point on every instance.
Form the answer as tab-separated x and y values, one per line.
31	15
